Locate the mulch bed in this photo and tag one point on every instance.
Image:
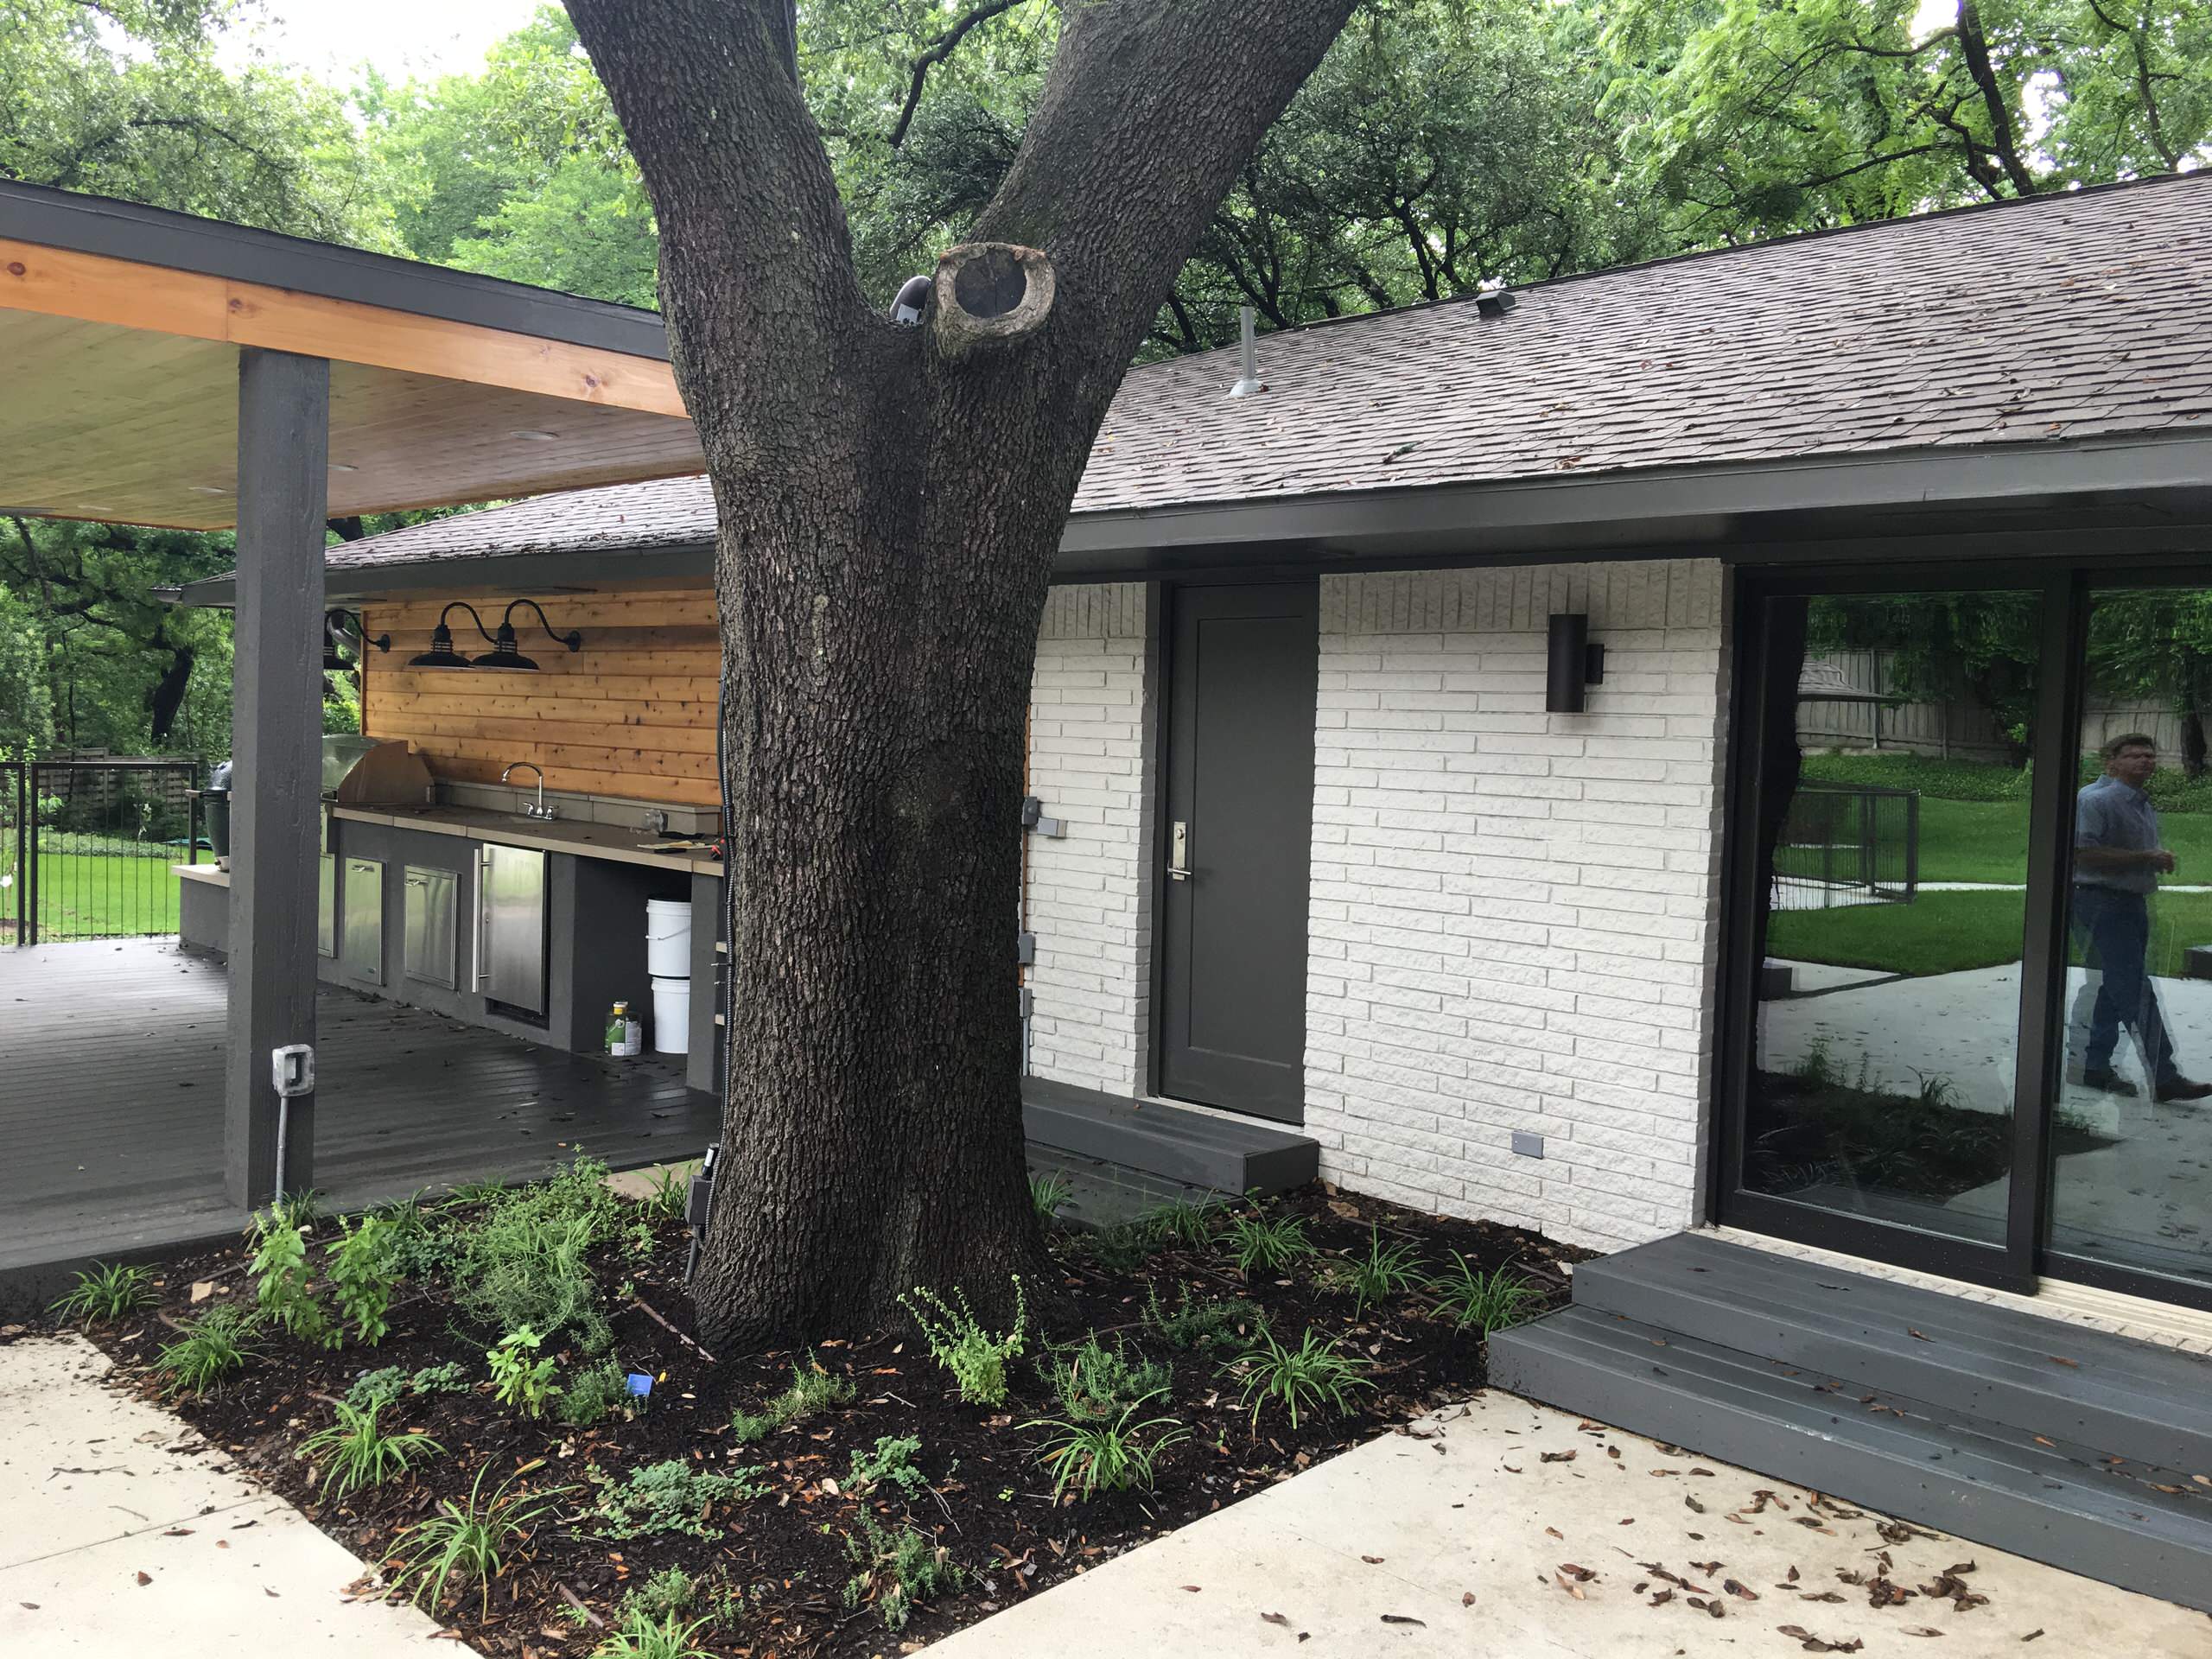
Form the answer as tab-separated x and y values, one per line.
992	1504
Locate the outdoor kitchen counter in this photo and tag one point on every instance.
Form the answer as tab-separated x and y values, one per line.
615	842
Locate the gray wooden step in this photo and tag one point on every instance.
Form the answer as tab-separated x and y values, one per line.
1987	1482
2135	1400
1174	1142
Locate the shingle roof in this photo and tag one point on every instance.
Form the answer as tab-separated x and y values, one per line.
2060	317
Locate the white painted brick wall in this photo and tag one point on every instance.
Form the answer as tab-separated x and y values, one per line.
1089	896
1514	913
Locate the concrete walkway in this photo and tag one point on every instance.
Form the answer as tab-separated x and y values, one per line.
1459	1542
121	1533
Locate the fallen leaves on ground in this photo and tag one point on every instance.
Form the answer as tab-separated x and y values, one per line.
1810	1643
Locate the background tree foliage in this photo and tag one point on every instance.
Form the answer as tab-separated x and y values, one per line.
1442	144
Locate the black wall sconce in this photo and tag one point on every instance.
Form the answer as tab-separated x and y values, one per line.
1572	665
506	652
340	625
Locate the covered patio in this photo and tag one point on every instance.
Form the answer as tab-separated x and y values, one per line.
112	1110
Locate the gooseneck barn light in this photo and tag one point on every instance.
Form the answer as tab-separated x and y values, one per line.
340	625
504	654
441	653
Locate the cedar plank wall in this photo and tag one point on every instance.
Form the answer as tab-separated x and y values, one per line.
631	714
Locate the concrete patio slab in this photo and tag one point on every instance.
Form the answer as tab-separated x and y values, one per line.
124	1532
1456	1540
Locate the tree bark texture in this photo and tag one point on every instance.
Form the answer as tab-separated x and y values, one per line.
890	500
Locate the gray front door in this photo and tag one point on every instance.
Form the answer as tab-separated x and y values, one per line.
1241	672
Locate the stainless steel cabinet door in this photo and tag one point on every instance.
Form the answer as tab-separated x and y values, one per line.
360	934
325	908
511	925
427	906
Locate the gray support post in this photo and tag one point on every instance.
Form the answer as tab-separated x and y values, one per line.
276	737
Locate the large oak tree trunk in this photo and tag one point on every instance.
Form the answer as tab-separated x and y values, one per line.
890	500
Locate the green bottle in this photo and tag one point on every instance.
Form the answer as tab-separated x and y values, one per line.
618	1022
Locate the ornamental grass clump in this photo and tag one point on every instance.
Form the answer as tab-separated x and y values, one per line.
106	1294
212	1349
469	1543
958	1342
1488	1301
1300	1379
1096	1456
354	1451
1258	1242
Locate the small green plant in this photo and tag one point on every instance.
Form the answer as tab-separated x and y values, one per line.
891	1461
1094	1381
106	1294
521	1261
1048	1192
746	1427
1094	1456
282	1287
213	1347
1258	1242
363	1268
813	1390
1300	1380
640	1636
1229	1322
669	1193
354	1451
1190	1224
450	1377
595	1394
1488	1301
958	1342
1385	1271
1117	1249
668	1591
640	1240
473	1192
373	1390
519	1378
668	1496
467	1541
298	1211
898	1571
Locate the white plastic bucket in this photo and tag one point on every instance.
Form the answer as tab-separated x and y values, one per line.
672	1016
668	938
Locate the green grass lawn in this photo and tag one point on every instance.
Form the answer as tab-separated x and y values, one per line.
98	895
1950	932
1988	841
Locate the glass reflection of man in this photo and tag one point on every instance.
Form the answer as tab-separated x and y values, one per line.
2117	864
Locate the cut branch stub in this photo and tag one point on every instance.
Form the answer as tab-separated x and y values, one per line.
989	294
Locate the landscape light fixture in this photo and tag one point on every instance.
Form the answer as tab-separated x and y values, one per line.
338	626
441	653
504	654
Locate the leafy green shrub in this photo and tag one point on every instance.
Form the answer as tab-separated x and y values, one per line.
893	1460
668	1194
420	1249
214	1346
1490	1301
1190	1224
1301	1379
518	1378
1094	1381
106	1294
813	1390
595	1394
1385	1271
746	1426
354	1452
1228	1322
1094	1456
447	1378
363	1267
373	1390
1117	1249
1048	1192
898	1571
468	1540
522	1261
281	1287
669	1497
958	1342
668	1591
640	1636
1258	1241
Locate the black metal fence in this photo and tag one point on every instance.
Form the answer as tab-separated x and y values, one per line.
1847	844
89	845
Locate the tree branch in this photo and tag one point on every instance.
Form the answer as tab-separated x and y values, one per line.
1974	46
945	44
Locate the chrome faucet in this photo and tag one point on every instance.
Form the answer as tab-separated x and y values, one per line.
540	811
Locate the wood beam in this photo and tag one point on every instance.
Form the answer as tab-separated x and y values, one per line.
276	737
157	299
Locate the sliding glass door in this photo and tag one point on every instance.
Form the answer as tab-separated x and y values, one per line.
1969	1021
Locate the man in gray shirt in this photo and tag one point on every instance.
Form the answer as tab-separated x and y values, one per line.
2117	864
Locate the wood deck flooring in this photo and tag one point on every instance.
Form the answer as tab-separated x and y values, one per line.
111	1101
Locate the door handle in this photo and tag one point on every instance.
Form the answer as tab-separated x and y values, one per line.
1179	854
477	976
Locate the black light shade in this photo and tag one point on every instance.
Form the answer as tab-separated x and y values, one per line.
441	654
340	625
504	652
